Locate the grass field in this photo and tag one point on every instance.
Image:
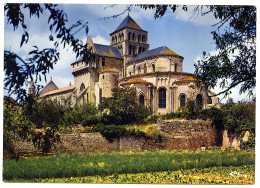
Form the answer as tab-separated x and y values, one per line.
105	164
212	175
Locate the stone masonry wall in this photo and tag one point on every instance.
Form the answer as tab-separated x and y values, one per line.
187	134
177	135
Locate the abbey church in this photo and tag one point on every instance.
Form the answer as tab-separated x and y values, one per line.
157	74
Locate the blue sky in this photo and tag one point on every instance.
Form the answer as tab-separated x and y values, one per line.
183	33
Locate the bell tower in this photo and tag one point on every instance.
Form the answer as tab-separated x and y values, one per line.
130	39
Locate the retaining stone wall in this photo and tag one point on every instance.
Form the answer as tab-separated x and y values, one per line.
177	135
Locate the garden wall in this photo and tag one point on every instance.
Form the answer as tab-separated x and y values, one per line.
177	135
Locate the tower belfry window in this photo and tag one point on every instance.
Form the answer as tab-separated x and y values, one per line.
143	38
133	36
129	36
139	38
103	62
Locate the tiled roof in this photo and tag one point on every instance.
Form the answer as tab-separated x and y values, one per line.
128	22
109	70
108	51
137	81
71	87
154	52
187	79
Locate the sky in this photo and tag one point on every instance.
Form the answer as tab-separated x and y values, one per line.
186	34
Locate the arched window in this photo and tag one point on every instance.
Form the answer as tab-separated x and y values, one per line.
82	87
140	50
139	70
134	69
199	100
129	36
113	39
143	38
130	49
182	100
141	99
145	68
139	38
153	66
133	36
162	98
133	50
175	67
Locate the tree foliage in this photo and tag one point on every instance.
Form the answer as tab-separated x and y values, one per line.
15	124
19	71
122	107
234	63
239	117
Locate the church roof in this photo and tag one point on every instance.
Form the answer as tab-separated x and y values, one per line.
109	70
51	86
187	79
155	52
108	51
136	81
128	22
71	87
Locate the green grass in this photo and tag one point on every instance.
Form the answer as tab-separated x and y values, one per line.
212	175
80	165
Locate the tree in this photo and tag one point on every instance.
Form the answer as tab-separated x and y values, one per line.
123	107
235	61
16	123
19	71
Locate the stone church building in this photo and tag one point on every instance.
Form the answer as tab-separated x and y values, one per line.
156	74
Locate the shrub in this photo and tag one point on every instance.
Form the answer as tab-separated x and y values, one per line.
249	144
153	119
123	108
214	114
110	132
191	110
91	121
239	117
141	113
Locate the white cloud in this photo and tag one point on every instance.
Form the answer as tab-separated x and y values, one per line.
100	40
194	18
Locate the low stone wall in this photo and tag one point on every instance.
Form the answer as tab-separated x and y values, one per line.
187	134
177	135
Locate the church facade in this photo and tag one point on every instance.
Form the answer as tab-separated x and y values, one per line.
157	74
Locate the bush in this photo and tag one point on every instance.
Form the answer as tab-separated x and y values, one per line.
110	132
80	113
91	121
214	114
249	144
153	119
141	113
191	110
123	108
239	117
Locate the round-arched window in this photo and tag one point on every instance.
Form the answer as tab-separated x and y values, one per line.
162	98
82	87
141	99
199	100
182	100
153	67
